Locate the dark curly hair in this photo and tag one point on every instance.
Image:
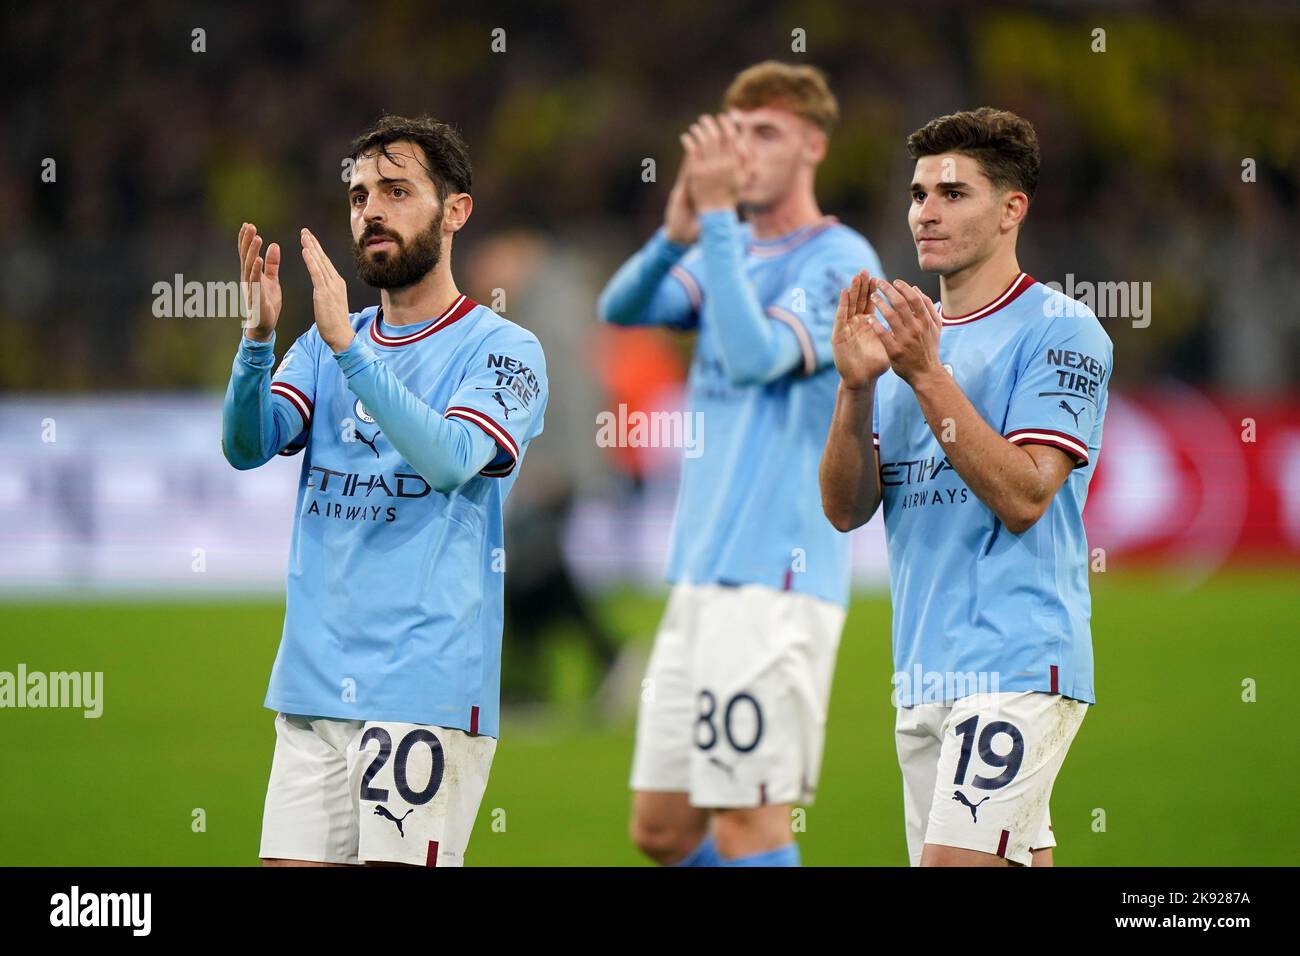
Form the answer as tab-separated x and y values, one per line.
444	148
1004	144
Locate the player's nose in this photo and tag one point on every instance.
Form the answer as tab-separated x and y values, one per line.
373	210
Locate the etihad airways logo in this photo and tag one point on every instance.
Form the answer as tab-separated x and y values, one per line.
913	472
351	484
894	474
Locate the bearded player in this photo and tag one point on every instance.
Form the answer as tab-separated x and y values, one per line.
732	716
977	424
413	417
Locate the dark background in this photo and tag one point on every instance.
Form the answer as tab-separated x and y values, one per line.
162	152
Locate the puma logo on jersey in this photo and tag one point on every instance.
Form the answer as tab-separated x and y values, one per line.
1072	412
961	798
368	441
506	408
382	811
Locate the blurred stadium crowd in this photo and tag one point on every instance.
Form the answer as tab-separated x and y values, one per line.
162	151
130	157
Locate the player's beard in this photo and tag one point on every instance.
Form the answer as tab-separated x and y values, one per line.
405	267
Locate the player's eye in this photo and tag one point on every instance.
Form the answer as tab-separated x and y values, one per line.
954	194
398	192
358	199
918	196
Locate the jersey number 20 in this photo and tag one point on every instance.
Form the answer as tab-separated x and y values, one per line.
418	736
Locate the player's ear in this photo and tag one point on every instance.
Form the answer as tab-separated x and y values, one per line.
1014	209
456	211
815	144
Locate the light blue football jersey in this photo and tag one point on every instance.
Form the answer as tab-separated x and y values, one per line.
394	605
970	597
748	508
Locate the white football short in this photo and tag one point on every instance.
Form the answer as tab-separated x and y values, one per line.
733	705
352	791
978	772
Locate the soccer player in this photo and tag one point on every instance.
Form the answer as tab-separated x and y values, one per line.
732	716
977	423
414	417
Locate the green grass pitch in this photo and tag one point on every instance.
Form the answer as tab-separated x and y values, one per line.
1184	771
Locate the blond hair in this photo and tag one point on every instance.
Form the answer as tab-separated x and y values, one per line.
800	89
